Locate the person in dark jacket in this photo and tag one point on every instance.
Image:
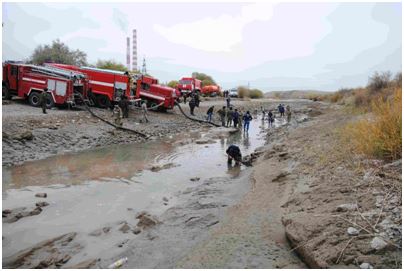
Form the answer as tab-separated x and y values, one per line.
233	152
210	113
236	116
247	118
270	118
42	99
192	105
281	110
124	105
229	116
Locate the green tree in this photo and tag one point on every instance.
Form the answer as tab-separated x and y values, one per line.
111	65
58	52
172	84
206	79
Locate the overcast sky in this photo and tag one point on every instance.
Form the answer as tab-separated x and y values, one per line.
323	46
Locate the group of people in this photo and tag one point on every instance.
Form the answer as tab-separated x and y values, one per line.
281	109
121	111
230	117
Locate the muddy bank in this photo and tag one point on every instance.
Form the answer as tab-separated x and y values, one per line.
29	135
343	211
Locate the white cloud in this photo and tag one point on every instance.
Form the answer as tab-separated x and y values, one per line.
218	34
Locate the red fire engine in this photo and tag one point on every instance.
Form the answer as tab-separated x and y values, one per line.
148	89
108	86
211	90
188	84
28	81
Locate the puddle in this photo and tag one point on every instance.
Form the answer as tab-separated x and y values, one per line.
93	188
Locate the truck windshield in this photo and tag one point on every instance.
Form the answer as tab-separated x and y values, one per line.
185	82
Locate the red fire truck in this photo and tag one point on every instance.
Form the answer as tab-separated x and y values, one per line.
149	90
188	84
28	81
107	86
211	90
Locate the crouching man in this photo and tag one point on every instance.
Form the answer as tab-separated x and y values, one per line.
233	152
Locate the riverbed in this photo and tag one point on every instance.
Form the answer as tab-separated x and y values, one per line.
108	186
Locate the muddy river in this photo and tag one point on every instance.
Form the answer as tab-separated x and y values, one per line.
93	188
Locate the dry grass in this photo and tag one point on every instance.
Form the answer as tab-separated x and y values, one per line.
378	135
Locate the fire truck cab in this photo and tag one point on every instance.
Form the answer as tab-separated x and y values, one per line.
28	81
188	84
148	89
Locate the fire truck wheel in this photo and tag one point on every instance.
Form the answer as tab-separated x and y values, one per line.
6	93
103	101
49	103
33	99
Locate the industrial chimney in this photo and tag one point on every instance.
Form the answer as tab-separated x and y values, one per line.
134	51
128	53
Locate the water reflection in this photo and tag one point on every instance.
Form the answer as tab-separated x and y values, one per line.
233	170
246	140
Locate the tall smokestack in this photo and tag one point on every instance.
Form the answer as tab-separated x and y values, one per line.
134	51
128	53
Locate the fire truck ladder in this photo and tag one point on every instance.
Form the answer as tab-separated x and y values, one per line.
57	72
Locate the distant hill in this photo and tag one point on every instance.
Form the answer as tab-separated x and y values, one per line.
294	94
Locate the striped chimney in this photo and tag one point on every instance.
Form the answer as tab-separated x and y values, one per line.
134	51
128	53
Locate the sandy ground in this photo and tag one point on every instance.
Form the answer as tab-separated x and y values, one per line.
292	209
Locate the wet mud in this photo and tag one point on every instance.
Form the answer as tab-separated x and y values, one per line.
152	202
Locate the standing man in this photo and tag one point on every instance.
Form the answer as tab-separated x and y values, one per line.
281	110
192	105
144	111
229	116
236	116
185	97
247	118
222	114
197	100
210	113
124	105
42	99
228	101
270	118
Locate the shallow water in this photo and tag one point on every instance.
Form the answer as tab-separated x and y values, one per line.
90	189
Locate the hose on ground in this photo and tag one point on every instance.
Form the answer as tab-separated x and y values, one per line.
150	108
108	122
195	119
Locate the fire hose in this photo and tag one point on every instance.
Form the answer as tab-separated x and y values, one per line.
195	119
108	122
149	108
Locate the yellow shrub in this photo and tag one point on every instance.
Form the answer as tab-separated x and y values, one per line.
380	135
